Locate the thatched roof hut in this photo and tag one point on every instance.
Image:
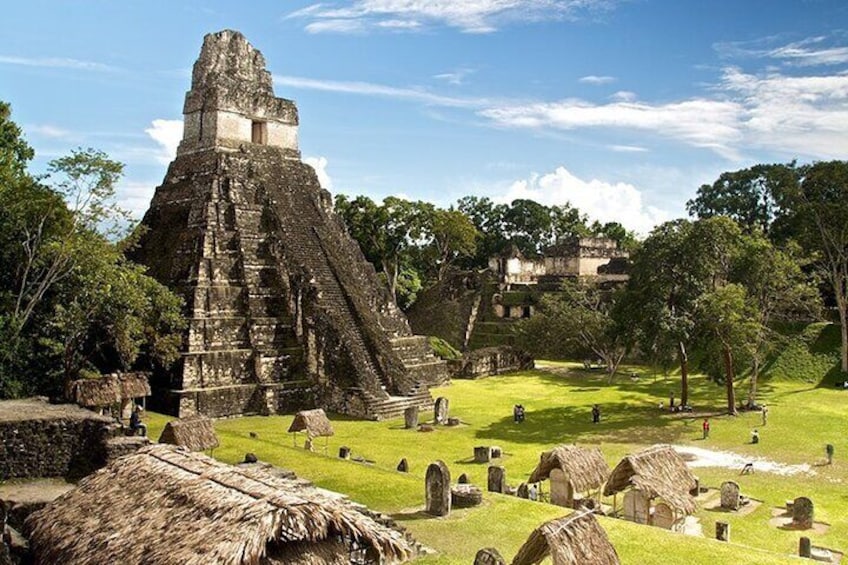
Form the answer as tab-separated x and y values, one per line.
314	422
195	433
573	540
109	389
585	467
134	385
166	505
659	471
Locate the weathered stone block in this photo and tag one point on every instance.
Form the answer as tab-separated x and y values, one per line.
438	489
497	479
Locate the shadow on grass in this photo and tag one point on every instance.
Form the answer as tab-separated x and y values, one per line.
412	516
620	423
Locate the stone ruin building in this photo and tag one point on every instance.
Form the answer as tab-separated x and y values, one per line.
581	257
283	310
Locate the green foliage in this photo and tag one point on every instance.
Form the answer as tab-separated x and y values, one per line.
408	286
443	349
453	236
748	196
70	303
809	354
574	323
817	209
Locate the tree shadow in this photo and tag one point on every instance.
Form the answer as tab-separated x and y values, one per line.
620	422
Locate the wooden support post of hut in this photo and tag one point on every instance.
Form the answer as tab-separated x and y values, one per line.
315	423
576	539
574	472
195	433
657	483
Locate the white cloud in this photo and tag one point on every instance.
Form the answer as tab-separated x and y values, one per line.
624	96
627	148
808	52
320	166
600	200
701	122
47	130
167	133
55	62
595	79
456	77
806	115
135	196
469	16
372	89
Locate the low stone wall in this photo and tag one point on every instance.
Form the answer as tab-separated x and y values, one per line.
38	439
490	361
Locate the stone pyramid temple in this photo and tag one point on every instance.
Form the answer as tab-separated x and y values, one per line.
284	311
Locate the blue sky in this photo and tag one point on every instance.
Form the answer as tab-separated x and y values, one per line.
622	108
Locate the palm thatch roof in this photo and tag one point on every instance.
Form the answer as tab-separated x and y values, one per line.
660	472
315	423
585	467
108	389
576	539
168	506
134	385
195	433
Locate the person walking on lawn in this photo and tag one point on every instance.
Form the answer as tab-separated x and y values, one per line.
706	428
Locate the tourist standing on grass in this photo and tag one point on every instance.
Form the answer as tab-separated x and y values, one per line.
828	449
755	436
671	401
765	414
596	414
706	427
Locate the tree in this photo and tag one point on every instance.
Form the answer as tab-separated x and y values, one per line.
674	266
626	239
778	289
110	316
529	226
488	218
817	208
576	322
386	232
728	323
453	236
748	196
69	301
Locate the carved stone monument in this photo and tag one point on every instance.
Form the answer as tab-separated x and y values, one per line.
730	495
802	513
410	418
403	466
440	410
438	489
722	531
489	556
497	479
466	496
283	309
523	491
482	454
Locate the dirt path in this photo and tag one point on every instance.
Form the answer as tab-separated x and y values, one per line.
699	457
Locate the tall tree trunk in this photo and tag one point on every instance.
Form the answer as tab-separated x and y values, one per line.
728	381
684	374
755	375
843	327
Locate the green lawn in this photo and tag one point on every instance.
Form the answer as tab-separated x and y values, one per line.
804	416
